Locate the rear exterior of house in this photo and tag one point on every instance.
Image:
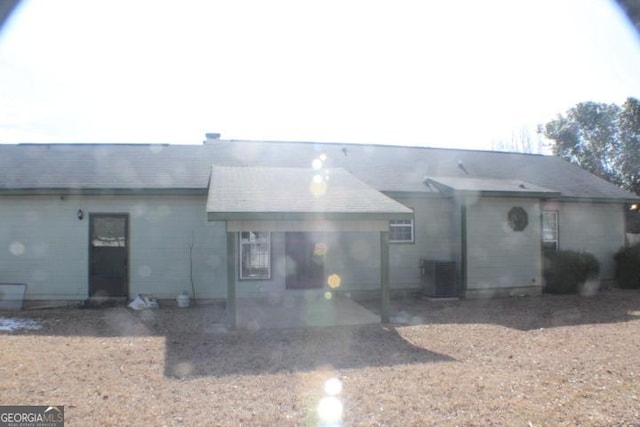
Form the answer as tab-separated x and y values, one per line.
81	221
123	245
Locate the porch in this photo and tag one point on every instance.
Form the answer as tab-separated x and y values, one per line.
294	310
254	202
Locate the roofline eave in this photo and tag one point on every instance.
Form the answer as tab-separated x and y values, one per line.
101	191
507	194
414	193
587	199
307	216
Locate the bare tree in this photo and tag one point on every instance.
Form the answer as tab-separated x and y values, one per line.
523	140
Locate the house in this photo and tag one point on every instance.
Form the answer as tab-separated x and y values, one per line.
230	219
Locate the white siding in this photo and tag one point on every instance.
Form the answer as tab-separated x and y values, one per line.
593	227
434	230
497	256
43	244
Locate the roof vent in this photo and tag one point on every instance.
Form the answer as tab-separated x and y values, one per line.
462	168
211	137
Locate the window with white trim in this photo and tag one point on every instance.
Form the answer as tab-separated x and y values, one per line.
401	231
550	230
255	255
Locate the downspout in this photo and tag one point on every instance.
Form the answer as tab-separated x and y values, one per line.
384	275
463	248
193	287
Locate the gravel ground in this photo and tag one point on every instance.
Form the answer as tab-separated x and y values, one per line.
547	361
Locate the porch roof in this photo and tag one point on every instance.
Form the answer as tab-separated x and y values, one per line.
488	187
281	193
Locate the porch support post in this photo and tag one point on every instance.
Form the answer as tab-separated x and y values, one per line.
384	275
231	281
462	287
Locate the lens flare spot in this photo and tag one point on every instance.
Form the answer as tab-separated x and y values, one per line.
330	409
328	295
16	248
318	186
183	369
316	164
334	281
139	210
155	148
323	157
320	249
333	387
144	271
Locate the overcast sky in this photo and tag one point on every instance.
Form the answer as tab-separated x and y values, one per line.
434	73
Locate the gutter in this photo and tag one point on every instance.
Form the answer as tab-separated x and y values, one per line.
100	191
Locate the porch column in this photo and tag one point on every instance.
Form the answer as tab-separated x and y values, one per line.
231	281
384	275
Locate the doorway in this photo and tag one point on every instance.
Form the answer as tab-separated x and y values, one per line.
305	253
108	255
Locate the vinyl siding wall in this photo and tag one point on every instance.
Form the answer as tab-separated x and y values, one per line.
498	257
593	227
434	231
43	244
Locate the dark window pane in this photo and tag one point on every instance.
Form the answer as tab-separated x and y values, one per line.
109	231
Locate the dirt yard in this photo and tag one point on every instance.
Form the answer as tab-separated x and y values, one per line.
548	361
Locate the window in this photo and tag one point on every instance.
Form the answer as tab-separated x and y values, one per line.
550	230
401	231
255	255
109	230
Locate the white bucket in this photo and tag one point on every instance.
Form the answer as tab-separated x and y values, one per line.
183	300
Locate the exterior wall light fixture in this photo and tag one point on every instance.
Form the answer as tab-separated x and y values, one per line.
80	214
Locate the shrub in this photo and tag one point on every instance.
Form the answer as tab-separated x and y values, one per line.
628	267
568	270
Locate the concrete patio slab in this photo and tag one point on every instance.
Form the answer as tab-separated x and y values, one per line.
298	311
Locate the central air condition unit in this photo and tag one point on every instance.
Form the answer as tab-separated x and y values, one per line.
438	278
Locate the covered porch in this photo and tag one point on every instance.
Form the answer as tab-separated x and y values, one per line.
256	202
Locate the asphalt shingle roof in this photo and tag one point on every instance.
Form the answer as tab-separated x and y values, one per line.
385	168
464	185
294	190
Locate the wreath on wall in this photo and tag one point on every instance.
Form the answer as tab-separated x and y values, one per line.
518	218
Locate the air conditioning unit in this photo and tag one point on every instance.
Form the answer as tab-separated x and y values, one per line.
438	278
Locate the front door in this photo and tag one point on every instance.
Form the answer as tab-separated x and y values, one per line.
305	254
108	255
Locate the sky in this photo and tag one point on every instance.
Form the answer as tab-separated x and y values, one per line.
462	74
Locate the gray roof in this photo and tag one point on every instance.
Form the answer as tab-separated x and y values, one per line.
248	190
488	186
87	167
